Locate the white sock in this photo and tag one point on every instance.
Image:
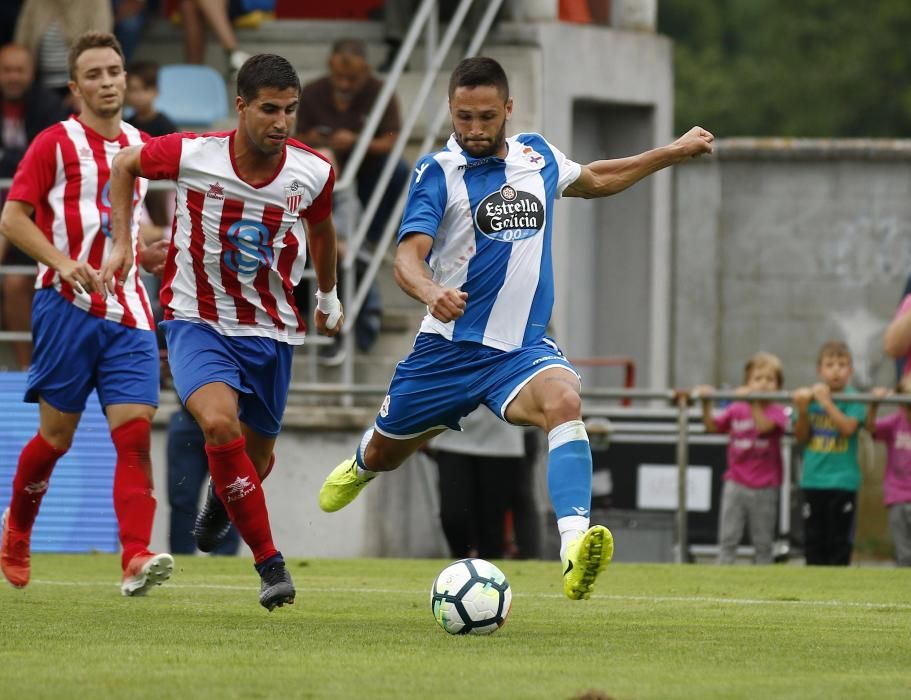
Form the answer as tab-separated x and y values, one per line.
363	473
571	527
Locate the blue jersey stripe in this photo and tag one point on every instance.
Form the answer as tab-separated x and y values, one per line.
543	302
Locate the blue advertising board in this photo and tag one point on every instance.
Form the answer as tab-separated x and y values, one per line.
77	513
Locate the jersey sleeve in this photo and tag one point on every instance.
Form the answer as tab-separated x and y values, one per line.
568	170
854	409
723	419
321	207
426	200
778	414
160	156
37	171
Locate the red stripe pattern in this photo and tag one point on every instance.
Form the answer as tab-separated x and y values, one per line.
65	176
238	248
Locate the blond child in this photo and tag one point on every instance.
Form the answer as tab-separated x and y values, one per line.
753	476
830	476
895	431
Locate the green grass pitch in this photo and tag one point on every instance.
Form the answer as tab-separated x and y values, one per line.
363	629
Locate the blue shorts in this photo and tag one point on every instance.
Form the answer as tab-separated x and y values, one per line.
258	368
442	381
76	352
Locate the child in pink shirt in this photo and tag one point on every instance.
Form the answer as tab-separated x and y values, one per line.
895	431
753	477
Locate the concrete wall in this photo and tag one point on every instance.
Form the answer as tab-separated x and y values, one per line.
781	245
609	93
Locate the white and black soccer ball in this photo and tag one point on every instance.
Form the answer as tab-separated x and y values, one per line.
470	596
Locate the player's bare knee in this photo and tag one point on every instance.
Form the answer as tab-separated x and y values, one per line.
218	427
561	407
57	437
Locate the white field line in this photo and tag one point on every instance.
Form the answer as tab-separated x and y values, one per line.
627	598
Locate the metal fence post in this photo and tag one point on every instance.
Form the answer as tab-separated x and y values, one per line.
681	556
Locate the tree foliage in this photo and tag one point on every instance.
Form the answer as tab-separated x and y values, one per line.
814	68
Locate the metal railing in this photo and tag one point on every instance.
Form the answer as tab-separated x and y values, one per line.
687	428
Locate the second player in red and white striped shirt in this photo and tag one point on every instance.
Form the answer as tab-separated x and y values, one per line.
238	249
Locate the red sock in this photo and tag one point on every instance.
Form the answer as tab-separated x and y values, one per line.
134	503
240	489
36	462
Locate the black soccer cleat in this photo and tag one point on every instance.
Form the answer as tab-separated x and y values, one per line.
212	522
277	587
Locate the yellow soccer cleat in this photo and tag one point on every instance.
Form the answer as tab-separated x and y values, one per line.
586	557
342	486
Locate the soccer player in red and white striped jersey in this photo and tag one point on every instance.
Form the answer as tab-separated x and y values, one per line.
84	338
248	204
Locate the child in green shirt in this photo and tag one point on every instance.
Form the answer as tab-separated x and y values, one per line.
830	476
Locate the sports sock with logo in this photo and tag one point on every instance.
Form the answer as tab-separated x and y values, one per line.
240	489
36	462
569	479
134	503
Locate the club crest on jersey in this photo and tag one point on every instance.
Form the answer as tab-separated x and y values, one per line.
293	195
216	191
509	215
533	157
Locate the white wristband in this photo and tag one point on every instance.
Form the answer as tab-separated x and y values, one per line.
328	303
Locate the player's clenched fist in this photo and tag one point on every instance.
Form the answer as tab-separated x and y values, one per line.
696	141
448	304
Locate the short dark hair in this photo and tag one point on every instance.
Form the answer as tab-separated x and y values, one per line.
479	70
265	70
92	40
350	47
146	71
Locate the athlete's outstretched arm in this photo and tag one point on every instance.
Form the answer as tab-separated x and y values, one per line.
16	224
125	168
321	241
444	303
605	177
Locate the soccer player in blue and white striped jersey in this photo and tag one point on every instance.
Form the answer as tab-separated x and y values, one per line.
480	212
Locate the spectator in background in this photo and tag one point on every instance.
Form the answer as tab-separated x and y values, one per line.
895	431
129	20
345	212
479	468
897	340
332	114
48	28
142	91
217	14
830	476
753	477
26	109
